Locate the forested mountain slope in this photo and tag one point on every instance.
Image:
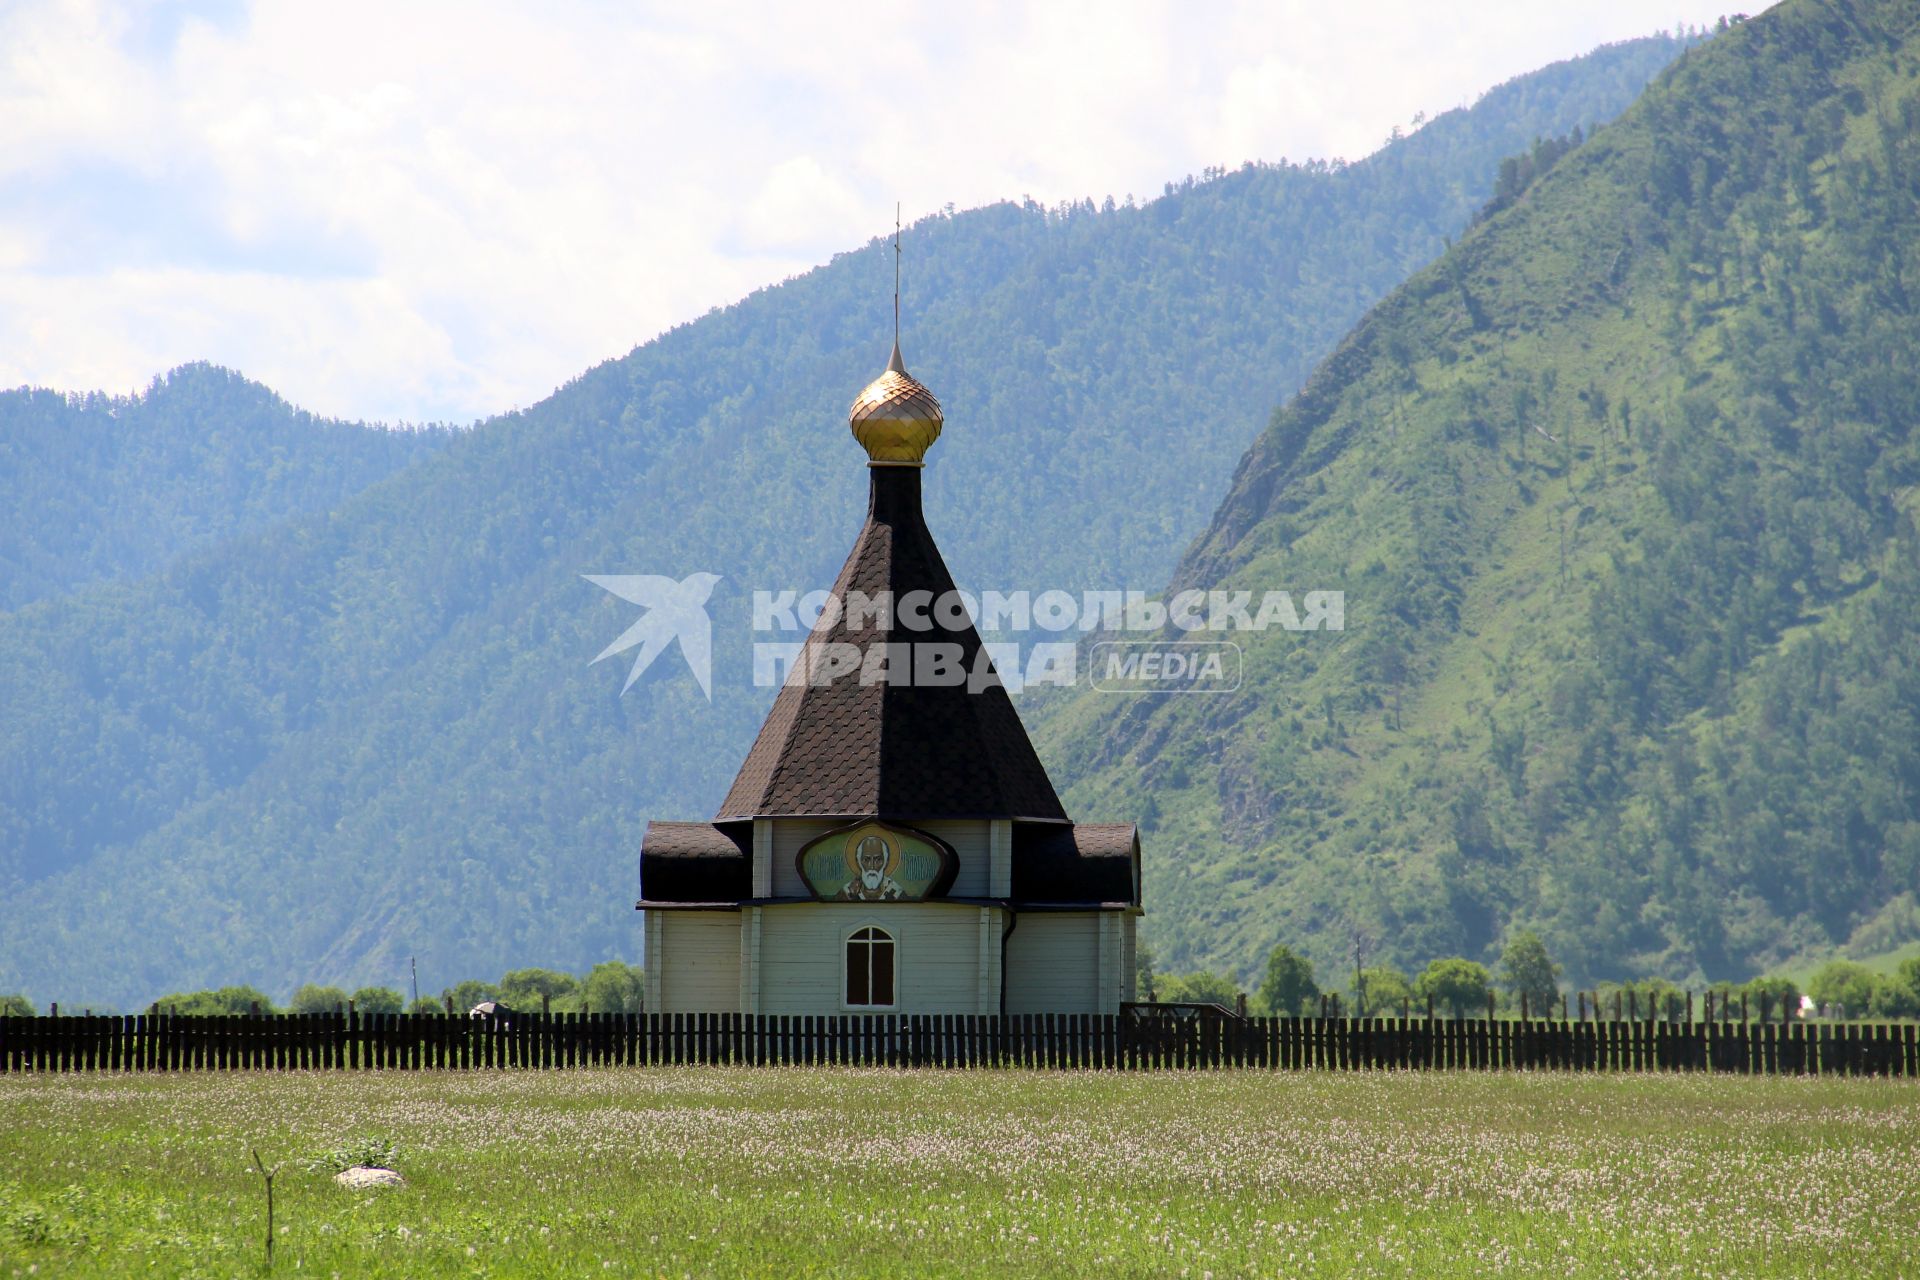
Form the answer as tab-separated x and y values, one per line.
103	487
1622	495
375	732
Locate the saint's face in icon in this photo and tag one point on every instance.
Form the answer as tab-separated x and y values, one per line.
872	883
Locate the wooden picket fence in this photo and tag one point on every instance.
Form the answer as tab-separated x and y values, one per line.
350	1041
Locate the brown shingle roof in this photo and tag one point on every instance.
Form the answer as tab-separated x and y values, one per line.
904	751
1088	862
696	862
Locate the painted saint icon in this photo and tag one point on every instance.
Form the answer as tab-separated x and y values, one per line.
876	861
873	858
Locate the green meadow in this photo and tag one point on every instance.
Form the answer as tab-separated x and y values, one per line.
846	1172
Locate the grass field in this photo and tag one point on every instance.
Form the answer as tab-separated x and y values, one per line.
783	1172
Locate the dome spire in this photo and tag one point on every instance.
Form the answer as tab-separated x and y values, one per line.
895	418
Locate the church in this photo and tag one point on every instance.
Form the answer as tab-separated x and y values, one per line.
891	843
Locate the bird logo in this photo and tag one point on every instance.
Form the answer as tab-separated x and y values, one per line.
674	611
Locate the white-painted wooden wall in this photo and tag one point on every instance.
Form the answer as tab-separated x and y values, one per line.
1053	963
939	956
693	961
789	958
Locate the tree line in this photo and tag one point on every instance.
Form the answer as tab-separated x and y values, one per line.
609	987
1529	978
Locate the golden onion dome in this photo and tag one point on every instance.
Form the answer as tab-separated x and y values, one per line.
896	420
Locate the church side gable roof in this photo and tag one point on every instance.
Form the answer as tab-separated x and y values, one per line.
1085	863
696	862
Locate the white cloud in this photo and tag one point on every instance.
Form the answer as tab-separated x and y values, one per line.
798	206
441	210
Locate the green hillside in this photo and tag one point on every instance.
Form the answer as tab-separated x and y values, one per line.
104	487
375	733
1621	492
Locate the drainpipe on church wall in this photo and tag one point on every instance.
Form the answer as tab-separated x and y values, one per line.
1013	921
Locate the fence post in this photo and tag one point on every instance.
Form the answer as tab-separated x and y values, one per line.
1523	1046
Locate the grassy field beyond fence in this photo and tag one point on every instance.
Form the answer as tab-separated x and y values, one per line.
785	1171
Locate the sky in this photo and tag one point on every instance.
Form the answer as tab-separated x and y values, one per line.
435	211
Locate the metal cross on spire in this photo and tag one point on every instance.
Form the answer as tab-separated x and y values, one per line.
896	273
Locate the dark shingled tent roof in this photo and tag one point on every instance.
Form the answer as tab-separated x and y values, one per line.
909	751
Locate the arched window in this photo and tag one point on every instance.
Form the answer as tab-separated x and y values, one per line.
870	969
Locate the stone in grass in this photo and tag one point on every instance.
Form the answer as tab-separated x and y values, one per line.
362	1176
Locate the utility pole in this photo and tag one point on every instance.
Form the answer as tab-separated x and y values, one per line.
414	965
1360	947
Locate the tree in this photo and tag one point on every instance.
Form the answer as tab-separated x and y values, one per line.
227	1000
427	1006
1455	983
528	988
1142	971
613	987
1200	988
1897	995
1768	996
1381	989
1657	998
1289	986
16	1006
378	1000
1527	970
1843	985
313	999
1907	975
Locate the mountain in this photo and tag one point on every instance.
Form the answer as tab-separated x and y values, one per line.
375	732
114	487
1621	493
